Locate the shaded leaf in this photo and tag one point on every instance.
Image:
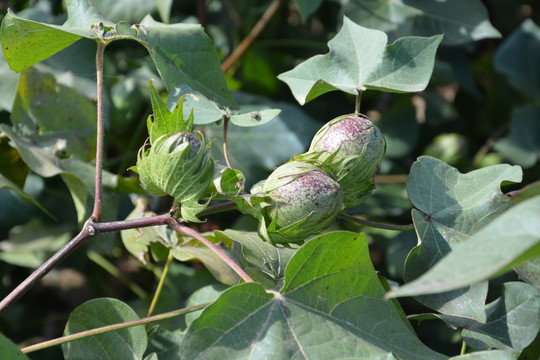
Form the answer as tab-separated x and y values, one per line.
450	207
492	250
31	244
10	351
517	57
530	272
512	323
52	111
164	344
330	284
8	85
522	145
359	59
7	184
486	355
128	343
461	21
307	7
264	262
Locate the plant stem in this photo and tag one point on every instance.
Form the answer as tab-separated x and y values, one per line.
98	198
190	232
226	119
218	208
463	348
358	100
164	274
113	270
44	269
391	179
246	43
377	224
108	328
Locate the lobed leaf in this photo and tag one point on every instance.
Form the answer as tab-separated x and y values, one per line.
359	59
331	304
509	240
461	21
450	207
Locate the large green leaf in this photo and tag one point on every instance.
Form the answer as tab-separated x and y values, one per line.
192	61
331	307
510	239
122	344
512	323
450	207
461	21
10	351
522	145
359	59
517	59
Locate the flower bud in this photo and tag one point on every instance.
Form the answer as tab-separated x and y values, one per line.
303	201
350	148
179	165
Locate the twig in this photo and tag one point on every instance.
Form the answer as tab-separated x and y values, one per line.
246	43
390	179
226	120
218	208
164	274
377	224
194	234
98	198
108	328
44	269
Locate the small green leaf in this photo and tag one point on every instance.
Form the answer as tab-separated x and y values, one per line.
509	240
522	145
128	343
450	207
359	59
517	57
254	118
330	284
513	320
461	21
10	351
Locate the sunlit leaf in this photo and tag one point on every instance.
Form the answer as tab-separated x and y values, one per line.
128	343
450	207
495	248
461	21
360	59
331	304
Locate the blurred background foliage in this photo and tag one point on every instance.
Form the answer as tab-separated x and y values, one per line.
482	107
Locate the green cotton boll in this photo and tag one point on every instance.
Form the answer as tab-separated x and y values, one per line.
179	165
303	201
350	148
